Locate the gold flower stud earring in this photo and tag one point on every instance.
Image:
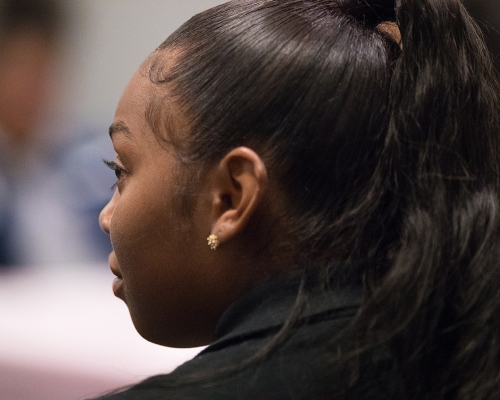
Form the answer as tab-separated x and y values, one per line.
213	242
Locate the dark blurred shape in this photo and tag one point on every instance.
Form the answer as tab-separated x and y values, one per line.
29	34
45	16
487	14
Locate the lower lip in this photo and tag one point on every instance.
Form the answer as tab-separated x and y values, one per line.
117	286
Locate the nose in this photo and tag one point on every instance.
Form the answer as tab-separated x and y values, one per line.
107	213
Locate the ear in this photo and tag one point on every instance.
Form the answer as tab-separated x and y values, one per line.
239	186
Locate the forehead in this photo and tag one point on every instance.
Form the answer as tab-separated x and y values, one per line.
130	116
157	102
153	103
137	94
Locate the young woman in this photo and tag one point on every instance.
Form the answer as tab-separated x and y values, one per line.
342	157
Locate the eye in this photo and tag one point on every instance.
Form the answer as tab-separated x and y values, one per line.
119	171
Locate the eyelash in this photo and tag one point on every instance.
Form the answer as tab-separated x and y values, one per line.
119	171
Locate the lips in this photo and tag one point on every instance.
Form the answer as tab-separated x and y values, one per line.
118	282
116	272
117	287
113	266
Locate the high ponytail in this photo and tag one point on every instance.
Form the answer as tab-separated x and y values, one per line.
438	304
444	90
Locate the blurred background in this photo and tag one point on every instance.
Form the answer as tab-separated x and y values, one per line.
63	67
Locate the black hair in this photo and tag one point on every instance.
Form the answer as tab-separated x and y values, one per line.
487	15
387	155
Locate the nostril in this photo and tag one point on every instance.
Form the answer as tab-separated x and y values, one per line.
107	213
105	218
104	223
104	226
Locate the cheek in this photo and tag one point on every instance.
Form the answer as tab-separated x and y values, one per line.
157	274
168	286
135	232
148	245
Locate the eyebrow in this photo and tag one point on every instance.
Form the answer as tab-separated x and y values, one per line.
120	127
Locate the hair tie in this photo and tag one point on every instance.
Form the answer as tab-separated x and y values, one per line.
391	30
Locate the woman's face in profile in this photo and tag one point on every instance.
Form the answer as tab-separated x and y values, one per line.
165	270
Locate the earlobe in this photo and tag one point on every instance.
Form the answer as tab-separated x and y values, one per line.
240	183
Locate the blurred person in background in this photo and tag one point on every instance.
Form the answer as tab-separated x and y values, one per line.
37	226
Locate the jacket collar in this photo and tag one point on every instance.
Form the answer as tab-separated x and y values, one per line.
269	306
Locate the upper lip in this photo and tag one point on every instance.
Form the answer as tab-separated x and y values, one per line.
115	270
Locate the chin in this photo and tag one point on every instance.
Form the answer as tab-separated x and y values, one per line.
177	338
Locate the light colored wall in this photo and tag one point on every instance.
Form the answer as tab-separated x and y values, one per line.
109	40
